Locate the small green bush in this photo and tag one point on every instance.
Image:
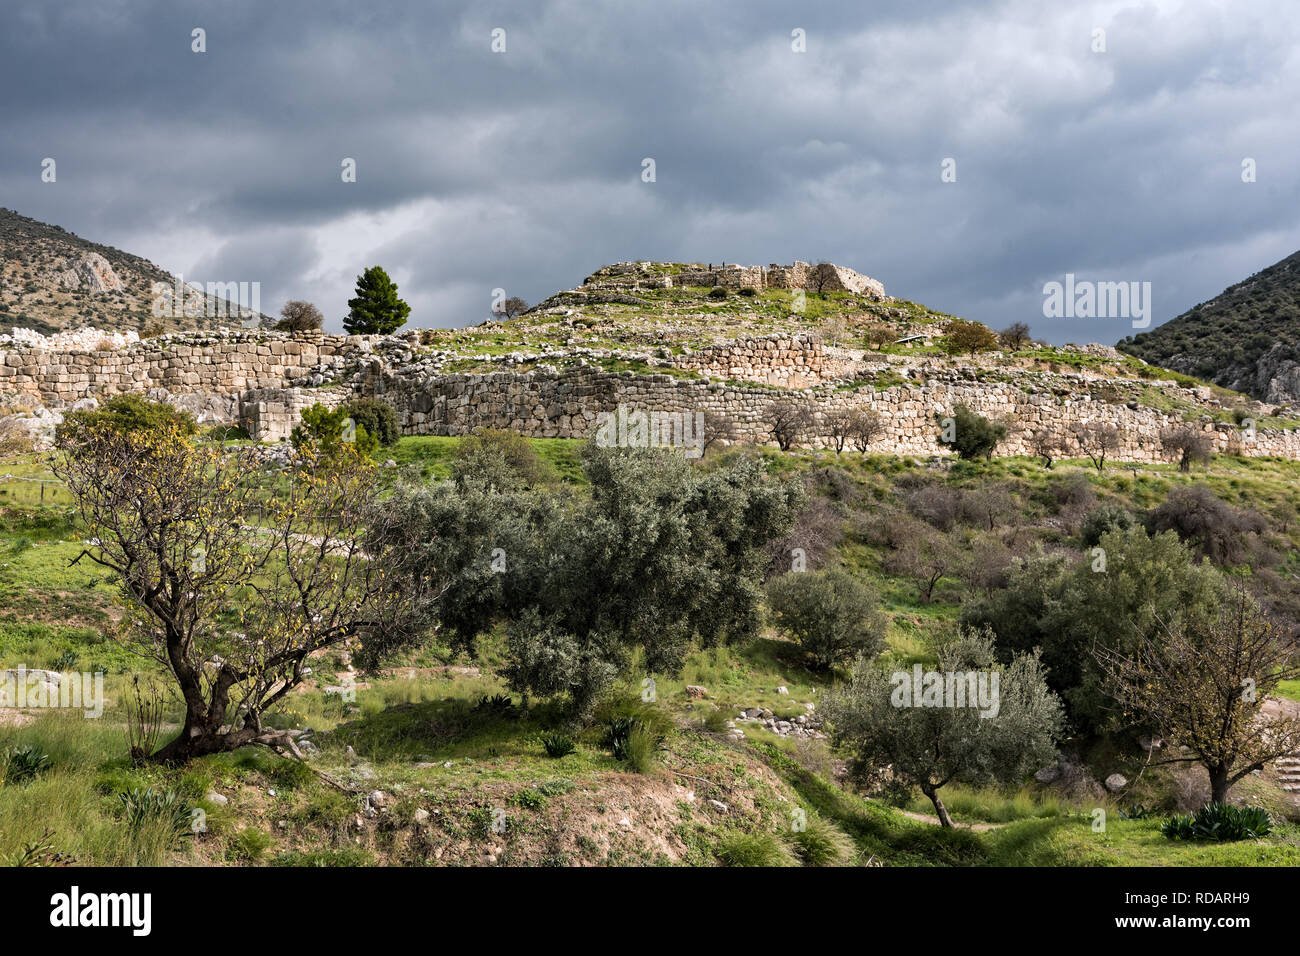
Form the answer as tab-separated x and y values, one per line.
972	435
753	849
22	763
558	745
528	800
250	845
377	417
833	615
329	430
123	414
145	806
1107	517
821	843
1219	821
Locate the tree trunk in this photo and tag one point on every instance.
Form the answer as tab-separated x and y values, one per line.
939	809
1219	784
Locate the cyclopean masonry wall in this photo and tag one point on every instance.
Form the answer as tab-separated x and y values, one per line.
567	405
789	361
263	380
823	277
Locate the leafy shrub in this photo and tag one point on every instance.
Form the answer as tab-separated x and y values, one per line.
499	705
250	844
126	413
1107	517
831	614
501	459
965	336
558	745
377	417
22	763
821	843
749	292
971	435
1219	821
717	292
329	430
142	807
753	849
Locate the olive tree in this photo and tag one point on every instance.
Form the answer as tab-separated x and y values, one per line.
656	556
833	616
899	736
230	589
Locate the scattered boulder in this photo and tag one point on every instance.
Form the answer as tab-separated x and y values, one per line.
1116	782
696	692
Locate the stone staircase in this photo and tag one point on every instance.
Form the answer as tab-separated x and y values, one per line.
1288	773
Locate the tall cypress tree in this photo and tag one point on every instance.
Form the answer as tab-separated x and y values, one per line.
376	310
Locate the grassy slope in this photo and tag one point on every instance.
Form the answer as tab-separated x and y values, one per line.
407	725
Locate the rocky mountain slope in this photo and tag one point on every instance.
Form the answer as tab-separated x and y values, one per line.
1247	338
52	280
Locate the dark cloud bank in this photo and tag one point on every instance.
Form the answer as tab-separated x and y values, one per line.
522	169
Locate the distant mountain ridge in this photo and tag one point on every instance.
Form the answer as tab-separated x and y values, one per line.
1247	338
53	280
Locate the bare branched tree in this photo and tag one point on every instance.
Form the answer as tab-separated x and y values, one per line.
230	589
789	420
865	426
1203	686
1098	441
717	427
1188	444
1046	444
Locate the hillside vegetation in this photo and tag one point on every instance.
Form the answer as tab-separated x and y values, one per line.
432	759
1245	338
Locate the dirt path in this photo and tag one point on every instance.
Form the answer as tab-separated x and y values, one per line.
926	818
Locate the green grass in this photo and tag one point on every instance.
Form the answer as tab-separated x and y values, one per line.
432	455
990	805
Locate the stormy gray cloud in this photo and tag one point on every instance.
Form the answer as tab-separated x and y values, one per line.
522	169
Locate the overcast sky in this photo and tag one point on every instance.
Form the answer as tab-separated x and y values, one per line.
522	169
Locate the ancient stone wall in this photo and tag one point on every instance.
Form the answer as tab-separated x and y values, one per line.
789	361
823	277
568	405
263	380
